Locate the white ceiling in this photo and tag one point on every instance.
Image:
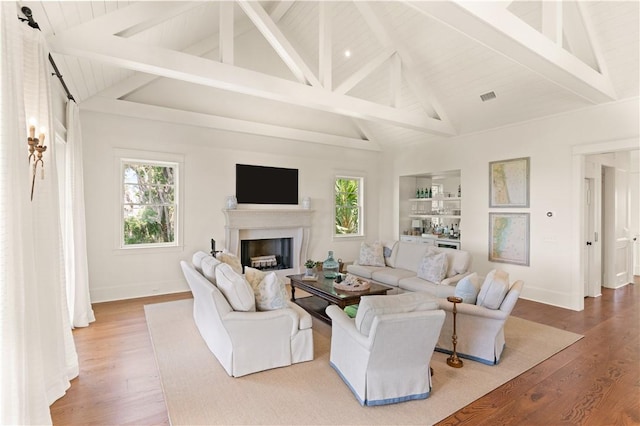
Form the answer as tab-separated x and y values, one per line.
416	70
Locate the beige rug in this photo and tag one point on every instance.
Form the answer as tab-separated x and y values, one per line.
198	391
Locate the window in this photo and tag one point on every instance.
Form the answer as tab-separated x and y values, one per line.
149	203
348	206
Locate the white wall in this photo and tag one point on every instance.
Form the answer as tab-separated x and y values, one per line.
552	275
209	176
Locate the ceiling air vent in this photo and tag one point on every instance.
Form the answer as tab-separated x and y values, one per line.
488	96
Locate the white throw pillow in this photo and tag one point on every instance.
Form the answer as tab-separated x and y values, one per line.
271	293
196	259
389	251
371	306
371	254
254	276
209	265
433	266
235	288
468	288
494	289
231	260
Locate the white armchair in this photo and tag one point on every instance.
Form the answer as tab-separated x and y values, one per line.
248	342
480	330
383	355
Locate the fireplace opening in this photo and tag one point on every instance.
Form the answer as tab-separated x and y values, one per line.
267	254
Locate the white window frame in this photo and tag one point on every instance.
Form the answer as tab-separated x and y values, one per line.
361	212
155	159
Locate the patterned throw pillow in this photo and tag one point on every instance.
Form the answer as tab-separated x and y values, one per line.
254	276
231	260
433	266
371	254
271	293
235	288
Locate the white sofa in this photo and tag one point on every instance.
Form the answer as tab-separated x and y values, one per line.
246	342
401	269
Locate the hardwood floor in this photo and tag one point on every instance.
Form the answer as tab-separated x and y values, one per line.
593	382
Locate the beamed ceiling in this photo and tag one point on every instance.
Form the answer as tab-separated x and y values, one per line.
416	70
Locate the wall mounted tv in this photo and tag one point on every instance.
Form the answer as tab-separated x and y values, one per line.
266	185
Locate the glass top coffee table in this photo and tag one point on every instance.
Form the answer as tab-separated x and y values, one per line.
324	293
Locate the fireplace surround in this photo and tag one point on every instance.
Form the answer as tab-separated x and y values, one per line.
257	224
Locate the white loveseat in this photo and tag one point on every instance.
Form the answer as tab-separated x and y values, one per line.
401	269
246	342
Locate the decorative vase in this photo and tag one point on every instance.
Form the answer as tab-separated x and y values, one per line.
330	266
232	202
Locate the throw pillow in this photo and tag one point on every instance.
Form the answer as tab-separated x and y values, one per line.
271	293
231	260
468	288
209	265
371	306
235	288
371	254
254	276
389	250
433	266
494	289
196	259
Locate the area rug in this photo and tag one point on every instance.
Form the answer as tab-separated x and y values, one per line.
198	391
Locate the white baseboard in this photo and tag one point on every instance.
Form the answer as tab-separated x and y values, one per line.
131	291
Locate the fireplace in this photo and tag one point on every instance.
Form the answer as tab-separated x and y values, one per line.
267	254
293	225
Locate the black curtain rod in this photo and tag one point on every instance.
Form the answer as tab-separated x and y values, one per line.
33	24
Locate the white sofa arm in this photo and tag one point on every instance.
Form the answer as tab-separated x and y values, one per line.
474	310
454	279
340	319
237	318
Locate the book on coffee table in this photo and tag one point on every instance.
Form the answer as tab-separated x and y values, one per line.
313	277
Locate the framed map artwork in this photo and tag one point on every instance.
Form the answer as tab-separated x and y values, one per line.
509	183
509	238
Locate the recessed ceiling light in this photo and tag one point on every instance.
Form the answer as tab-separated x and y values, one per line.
347	53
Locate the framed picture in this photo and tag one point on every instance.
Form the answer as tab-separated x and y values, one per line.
509	183
509	238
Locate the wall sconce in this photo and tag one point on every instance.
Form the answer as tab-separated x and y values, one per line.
36	149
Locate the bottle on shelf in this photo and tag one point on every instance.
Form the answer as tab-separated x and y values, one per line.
459	192
417	192
330	266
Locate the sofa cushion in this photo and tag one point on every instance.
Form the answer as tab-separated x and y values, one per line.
468	288
235	288
371	306
409	255
433	266
418	284
459	261
209	265
371	254
271	293
389	252
231	260
196	259
493	290
363	271
391	276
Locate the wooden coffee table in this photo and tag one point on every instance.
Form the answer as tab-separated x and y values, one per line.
323	293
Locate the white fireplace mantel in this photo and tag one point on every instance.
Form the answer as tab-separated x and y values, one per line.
246	224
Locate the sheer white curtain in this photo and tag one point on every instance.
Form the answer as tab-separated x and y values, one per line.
37	356
75	238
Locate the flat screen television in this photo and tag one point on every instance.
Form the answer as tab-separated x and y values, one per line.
266	185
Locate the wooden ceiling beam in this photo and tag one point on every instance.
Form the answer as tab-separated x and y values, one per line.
279	42
156	60
176	116
500	30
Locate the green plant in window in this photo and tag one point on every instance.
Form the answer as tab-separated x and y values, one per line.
149	198
347	212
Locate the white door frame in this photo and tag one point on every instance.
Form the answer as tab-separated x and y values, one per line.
577	205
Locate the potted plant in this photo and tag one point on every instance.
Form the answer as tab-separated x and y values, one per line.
309	264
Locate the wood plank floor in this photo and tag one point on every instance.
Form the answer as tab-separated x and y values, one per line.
593	382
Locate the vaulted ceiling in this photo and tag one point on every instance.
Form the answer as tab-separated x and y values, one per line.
368	75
